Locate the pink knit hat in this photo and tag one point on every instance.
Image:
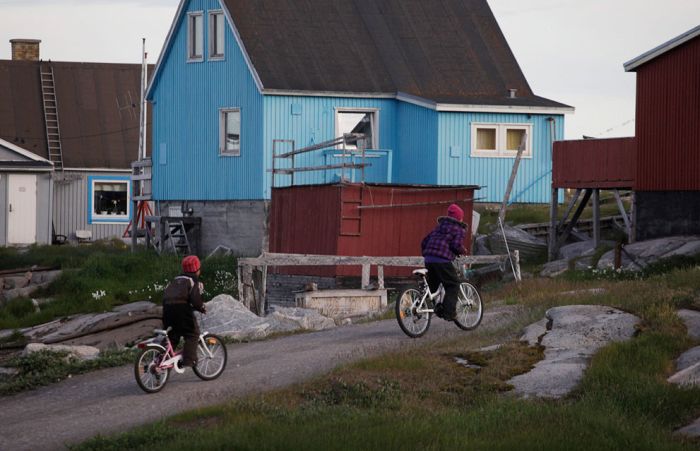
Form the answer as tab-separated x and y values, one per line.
454	212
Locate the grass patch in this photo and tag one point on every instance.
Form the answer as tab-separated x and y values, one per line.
47	367
420	397
98	277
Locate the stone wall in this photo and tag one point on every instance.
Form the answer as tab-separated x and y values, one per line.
238	225
667	213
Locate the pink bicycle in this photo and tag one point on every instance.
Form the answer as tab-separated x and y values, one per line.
157	357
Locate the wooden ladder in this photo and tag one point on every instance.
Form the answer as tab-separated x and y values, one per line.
53	133
350	215
178	237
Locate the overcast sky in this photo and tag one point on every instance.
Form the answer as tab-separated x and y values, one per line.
571	51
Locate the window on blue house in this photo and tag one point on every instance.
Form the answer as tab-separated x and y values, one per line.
500	140
358	121
109	199
230	132
195	36
216	35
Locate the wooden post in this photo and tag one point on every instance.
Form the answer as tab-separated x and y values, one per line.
513	174
365	275
516	261
553	205
633	218
380	277
625	216
596	217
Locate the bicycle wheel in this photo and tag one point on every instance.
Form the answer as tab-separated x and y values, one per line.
148	375
212	360
470	310
413	324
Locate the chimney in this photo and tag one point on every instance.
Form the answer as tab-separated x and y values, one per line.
511	93
25	49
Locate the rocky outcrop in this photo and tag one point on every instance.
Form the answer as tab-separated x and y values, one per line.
688	366
230	318
570	336
637	256
15	285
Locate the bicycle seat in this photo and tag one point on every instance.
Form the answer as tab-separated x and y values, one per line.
420	272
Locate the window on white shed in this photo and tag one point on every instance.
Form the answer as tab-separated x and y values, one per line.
230	132
216	35
195	41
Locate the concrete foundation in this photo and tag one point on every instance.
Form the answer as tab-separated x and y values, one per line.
339	304
667	213
238	225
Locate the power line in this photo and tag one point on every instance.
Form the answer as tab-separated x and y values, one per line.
628	121
114	132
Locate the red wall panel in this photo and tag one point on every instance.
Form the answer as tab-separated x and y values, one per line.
668	120
594	163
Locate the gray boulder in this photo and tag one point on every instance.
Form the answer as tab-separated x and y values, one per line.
691	318
554	268
481	245
582	248
295	318
576	332
640	254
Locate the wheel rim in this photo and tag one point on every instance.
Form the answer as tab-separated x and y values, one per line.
211	363
150	375
468	305
414	322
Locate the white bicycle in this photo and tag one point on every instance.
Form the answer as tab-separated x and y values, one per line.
414	307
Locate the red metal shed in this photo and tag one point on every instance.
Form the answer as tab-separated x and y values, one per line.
359	219
668	115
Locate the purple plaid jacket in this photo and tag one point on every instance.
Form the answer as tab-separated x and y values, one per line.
445	241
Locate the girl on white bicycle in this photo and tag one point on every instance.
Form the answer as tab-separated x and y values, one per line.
182	296
439	248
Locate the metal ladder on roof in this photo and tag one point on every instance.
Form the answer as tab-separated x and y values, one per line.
178	237
53	133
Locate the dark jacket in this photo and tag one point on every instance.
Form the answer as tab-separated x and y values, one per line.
446	241
184	289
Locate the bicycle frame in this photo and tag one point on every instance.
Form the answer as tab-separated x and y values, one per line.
429	295
172	357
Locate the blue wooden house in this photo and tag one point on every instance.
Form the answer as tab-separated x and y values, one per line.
433	84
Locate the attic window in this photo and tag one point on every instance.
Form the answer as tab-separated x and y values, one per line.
358	121
230	132
500	140
216	35
195	36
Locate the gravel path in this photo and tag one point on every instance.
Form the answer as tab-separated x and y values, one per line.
109	401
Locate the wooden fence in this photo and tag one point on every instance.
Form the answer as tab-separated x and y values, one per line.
252	272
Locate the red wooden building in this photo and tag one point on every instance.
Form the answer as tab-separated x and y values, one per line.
661	163
359	220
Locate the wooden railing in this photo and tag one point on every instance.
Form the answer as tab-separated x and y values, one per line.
252	272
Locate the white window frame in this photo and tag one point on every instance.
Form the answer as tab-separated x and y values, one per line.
375	123
96	218
501	133
191	56
222	132
212	36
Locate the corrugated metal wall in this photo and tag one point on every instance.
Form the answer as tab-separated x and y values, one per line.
324	219
187	99
70	208
668	121
458	167
594	163
415	160
311	120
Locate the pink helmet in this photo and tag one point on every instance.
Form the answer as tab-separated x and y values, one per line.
191	264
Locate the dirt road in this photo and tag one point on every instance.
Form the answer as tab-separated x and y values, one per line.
109	401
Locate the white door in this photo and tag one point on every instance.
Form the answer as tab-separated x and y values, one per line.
21	206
